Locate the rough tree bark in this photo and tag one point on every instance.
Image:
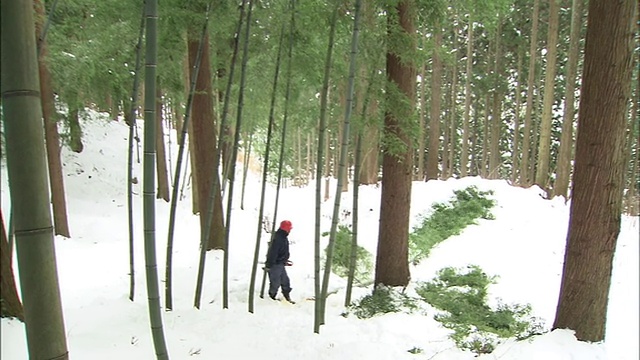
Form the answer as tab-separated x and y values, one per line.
392	265
204	141
161	154
434	118
52	138
561	186
544	149
525	173
594	222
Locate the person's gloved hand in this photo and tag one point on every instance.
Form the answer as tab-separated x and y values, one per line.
288	263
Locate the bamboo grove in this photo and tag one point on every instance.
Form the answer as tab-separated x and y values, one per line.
360	91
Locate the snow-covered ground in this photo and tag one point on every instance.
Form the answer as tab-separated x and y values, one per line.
524	246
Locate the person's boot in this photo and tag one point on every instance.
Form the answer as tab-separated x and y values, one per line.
288	298
272	296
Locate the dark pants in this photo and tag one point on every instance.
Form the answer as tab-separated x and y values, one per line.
278	277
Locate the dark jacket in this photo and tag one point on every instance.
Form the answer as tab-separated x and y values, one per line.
278	252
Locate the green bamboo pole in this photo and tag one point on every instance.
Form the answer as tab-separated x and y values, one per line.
232	165
265	170
45	29
149	163
356	187
132	125
28	182
283	136
318	316
344	149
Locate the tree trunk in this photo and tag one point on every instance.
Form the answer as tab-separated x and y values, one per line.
148	184
75	131
453	119
52	138
561	186
423	116
596	204
525	173
434	118
444	174
464	157
496	112
195	203
343	141
204	141
179	121
308	171
544	150
535	122
29	188
485	137
392	265
476	155
11	305
515	169
161	157
370	150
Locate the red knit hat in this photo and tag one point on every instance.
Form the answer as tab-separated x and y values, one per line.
286	225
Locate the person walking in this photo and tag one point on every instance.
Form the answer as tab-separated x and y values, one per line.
277	260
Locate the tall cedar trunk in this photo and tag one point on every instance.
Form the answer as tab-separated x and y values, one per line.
525	173
596	204
434	118
204	141
392	265
423	115
561	186
75	131
485	137
445	127
544	150
537	115
464	157
179	121
515	169
475	154
52	138
29	188
161	157
496	112
11	305
453	119
195	203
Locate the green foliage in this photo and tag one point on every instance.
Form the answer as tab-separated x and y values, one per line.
342	258
415	350
383	300
462	297
449	219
